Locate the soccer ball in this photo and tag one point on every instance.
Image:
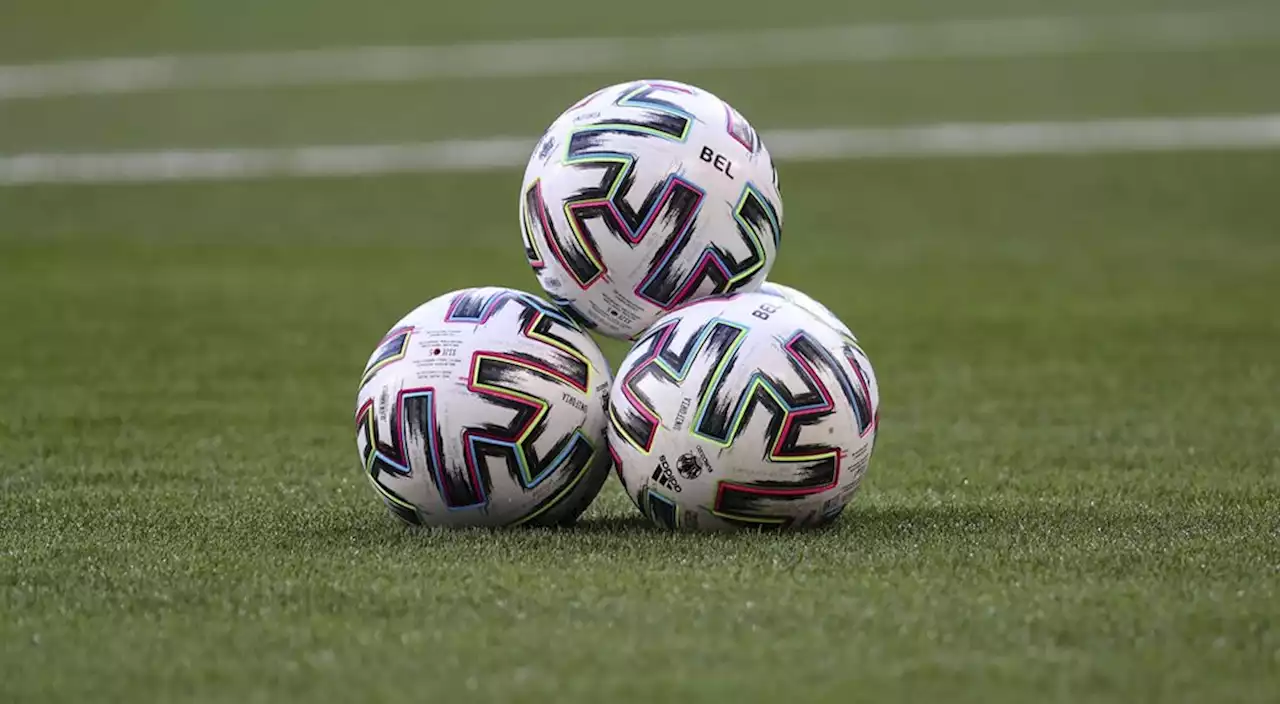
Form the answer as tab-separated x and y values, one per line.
743	411
485	407
645	196
808	304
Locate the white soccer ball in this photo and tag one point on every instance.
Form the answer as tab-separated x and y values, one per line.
645	196
807	303
485	407
743	411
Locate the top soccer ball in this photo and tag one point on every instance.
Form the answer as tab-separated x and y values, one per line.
645	196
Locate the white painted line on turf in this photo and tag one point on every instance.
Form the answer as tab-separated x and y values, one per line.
298	162
1030	138
1010	37
1256	132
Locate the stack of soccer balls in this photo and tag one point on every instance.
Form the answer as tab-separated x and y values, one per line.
650	212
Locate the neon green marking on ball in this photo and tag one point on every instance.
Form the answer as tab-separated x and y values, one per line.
721	367
559	496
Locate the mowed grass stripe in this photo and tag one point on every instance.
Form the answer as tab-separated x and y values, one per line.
1255	132
881	42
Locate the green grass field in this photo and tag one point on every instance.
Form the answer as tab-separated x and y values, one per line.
1075	495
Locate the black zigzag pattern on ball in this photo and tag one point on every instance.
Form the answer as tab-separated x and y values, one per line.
539	321
536	225
457	488
859	395
815	467
661	510
656	114
673	284
570	453
579	257
758	213
628	224
670	366
668	211
412	422
781	405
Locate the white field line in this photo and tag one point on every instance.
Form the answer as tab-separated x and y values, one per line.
1250	133
1012	37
